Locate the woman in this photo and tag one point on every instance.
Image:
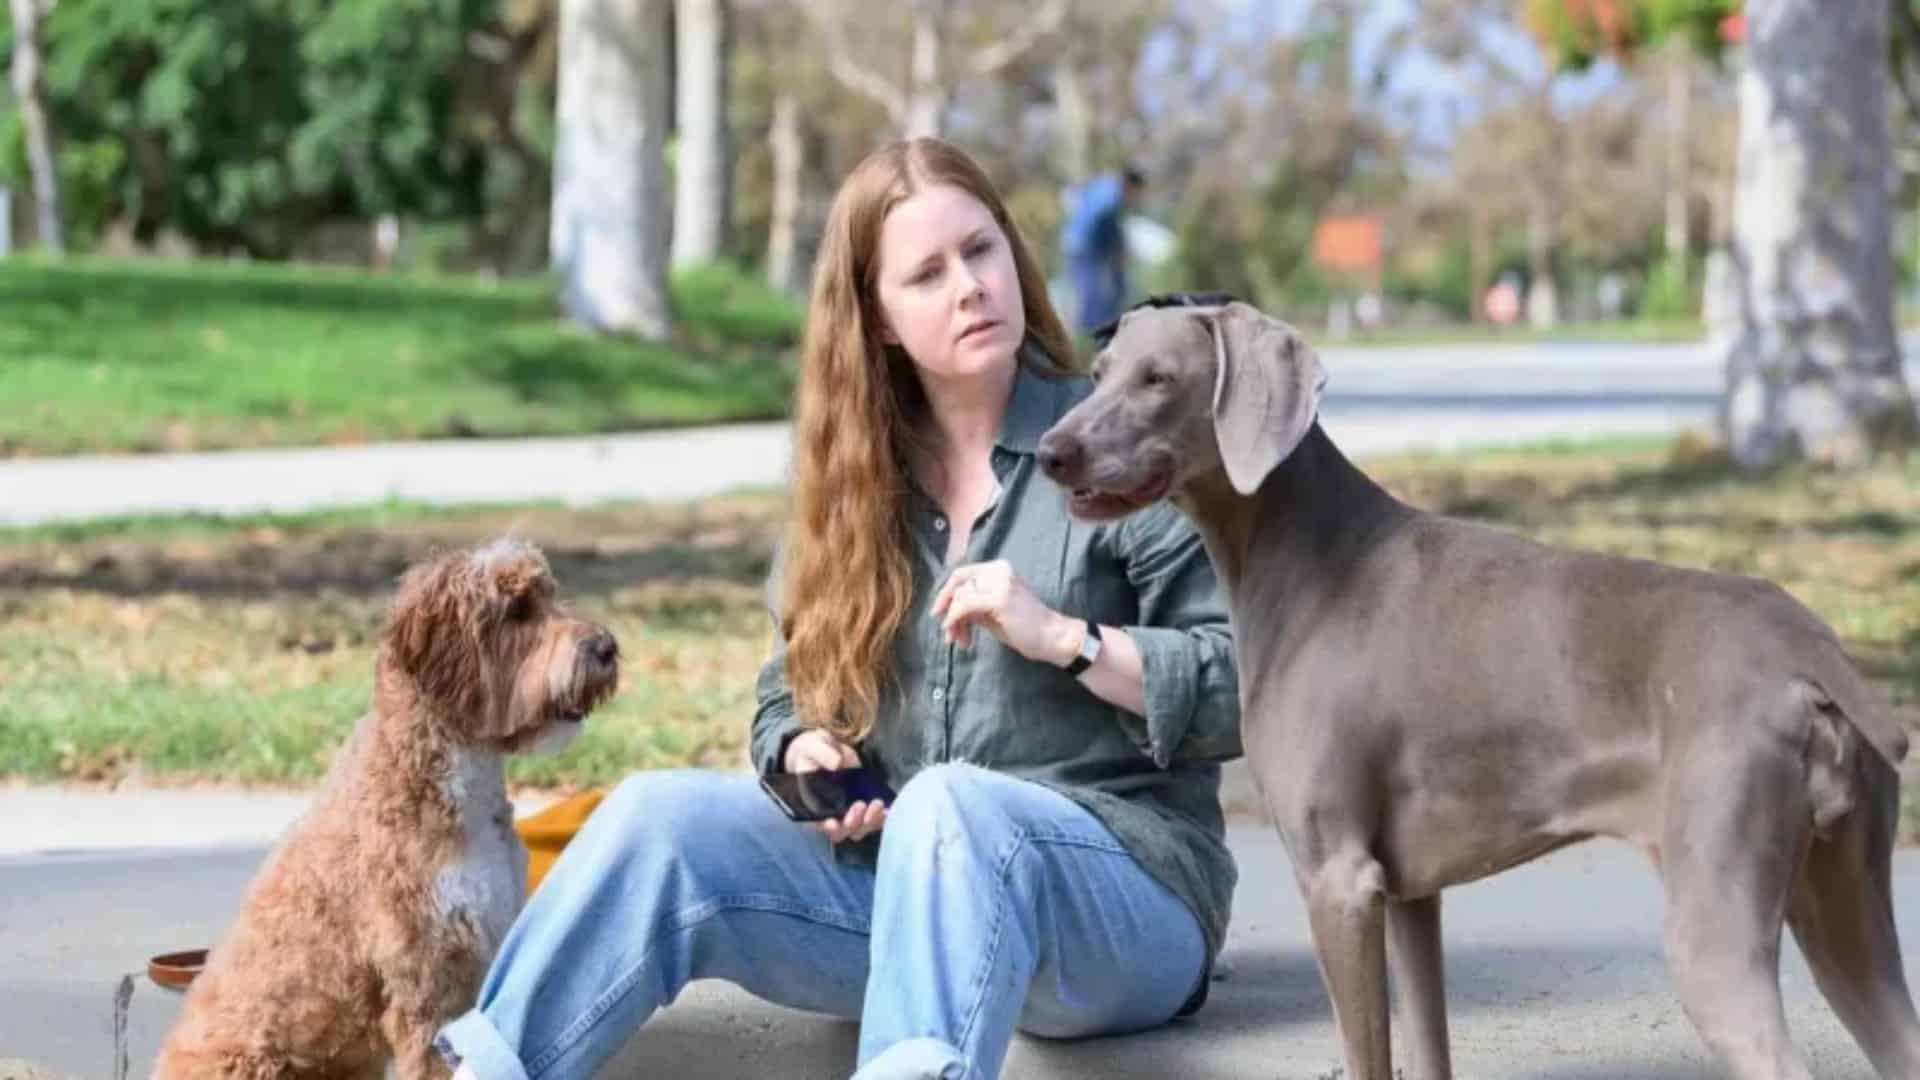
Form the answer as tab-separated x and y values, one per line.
1050	699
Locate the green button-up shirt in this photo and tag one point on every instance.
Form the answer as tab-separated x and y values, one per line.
1153	780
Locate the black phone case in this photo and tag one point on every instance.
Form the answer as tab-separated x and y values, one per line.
824	795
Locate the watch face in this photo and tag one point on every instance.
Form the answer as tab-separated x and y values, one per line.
1090	647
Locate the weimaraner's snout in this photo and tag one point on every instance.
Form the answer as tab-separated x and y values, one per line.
1105	476
1063	457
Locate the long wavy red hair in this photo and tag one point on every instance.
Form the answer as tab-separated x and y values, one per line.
846	579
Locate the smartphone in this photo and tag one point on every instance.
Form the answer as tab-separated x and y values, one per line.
825	794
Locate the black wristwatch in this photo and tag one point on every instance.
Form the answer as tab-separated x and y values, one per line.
1089	650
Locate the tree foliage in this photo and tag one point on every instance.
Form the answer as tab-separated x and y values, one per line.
1578	32
239	122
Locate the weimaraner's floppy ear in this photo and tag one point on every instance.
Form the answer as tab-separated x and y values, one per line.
1266	392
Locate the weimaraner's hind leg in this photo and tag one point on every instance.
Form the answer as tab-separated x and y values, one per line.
1842	914
1419	982
1728	862
1346	908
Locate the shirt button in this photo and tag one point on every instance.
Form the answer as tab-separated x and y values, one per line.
939	694
939	524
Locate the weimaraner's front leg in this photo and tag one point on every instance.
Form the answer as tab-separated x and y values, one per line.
1346	907
1413	929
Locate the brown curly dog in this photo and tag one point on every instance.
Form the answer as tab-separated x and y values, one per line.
374	919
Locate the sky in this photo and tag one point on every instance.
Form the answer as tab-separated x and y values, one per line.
1437	92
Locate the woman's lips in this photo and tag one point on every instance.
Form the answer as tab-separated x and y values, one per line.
978	328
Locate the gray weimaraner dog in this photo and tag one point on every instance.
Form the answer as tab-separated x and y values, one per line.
1427	701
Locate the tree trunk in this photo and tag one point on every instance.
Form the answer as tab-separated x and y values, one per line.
927	97
1544	199
30	90
1679	184
1813	361
703	186
610	214
1074	111
789	172
1479	256
1543	299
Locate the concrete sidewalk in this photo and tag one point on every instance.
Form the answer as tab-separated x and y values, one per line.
662	465
1379	400
1554	970
53	820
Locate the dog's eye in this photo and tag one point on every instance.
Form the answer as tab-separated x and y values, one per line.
1155	378
519	608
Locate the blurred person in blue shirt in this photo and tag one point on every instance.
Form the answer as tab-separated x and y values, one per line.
1093	241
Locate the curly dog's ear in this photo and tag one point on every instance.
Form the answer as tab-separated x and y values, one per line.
511	573
430	636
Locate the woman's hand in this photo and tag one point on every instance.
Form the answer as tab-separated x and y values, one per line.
991	595
813	750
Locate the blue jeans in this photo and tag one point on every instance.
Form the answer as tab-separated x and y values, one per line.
996	903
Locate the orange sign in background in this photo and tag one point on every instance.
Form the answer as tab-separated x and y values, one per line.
1354	243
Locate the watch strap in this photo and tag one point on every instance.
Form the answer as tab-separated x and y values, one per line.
1083	661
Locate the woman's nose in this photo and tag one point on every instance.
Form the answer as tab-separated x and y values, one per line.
968	282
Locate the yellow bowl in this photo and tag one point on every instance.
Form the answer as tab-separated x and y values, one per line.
546	833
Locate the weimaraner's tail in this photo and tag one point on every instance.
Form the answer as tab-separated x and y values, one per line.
1838	685
1841	906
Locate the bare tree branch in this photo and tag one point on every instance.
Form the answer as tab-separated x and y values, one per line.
1452	30
998	55
841	62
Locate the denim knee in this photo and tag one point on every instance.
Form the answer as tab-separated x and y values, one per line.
663	802
948	803
650	819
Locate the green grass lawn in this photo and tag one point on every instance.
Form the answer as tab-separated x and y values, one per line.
243	652
186	650
101	355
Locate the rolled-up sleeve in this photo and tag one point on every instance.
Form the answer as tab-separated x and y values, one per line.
1191	686
774	719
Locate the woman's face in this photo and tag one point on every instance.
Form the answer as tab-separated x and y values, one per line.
948	290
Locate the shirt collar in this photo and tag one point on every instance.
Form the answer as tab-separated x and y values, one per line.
1033	407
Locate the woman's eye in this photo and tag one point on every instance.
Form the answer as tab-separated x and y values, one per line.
979	248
